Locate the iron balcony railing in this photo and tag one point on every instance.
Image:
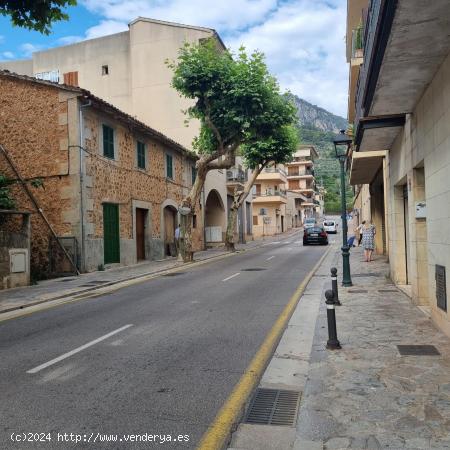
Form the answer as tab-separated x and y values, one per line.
237	175
297	173
370	29
271	193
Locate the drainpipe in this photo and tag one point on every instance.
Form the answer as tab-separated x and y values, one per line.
82	244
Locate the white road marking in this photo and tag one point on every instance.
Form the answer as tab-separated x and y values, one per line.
298	242
77	350
289	248
232	276
271	257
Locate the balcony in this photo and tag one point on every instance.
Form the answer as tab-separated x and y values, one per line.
299	161
297	174
270	196
357	46
272	174
236	176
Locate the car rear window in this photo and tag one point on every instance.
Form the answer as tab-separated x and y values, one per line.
310	220
315	230
328	224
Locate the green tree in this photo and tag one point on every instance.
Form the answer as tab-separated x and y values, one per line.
235	99
37	15
6	200
275	149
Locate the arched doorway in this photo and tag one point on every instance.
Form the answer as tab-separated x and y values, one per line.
214	217
170	223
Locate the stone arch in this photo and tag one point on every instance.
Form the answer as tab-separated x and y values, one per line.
169	221
215	217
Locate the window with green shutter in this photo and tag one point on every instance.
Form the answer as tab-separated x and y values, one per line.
108	141
169	166
194	174
140	155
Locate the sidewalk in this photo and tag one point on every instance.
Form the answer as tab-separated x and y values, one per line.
366	395
58	288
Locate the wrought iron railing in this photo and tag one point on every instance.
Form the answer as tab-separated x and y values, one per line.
237	175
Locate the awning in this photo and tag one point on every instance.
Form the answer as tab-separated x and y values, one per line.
365	166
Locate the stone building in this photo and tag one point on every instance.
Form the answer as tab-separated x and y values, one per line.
399	102
129	70
111	184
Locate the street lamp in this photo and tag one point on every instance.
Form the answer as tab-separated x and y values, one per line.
342	145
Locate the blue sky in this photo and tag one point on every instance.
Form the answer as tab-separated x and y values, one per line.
303	39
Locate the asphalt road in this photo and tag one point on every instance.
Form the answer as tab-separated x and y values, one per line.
156	358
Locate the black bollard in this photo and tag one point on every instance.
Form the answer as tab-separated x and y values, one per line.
332	343
334	286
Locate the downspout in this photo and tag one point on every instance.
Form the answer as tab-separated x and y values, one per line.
81	158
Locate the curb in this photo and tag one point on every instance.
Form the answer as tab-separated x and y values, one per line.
218	433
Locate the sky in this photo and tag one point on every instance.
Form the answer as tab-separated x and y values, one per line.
303	40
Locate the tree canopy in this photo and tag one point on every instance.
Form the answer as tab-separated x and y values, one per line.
37	15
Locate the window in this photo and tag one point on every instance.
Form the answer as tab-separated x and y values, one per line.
255	220
194	221
140	155
105	70
169	166
108	141
193	174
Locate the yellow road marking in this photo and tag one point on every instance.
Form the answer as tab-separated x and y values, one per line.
219	431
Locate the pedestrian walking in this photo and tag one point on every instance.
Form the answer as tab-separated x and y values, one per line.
368	240
359	231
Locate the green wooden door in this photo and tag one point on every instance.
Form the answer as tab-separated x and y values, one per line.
111	239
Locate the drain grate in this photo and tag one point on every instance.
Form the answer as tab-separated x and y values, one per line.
253	269
273	407
358	291
95	283
387	290
174	274
418	350
66	279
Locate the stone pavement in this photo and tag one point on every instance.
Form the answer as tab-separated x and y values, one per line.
366	395
49	290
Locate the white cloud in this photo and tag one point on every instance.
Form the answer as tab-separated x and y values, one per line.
8	55
106	27
303	39
67	40
28	49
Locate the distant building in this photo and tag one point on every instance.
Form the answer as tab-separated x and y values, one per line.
269	202
302	185
129	70
111	184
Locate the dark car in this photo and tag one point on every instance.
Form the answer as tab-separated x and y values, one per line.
315	235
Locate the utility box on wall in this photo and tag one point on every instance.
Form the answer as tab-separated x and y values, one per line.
421	210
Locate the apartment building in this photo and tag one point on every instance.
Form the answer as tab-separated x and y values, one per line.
111	185
302	185
269	202
399	101
129	70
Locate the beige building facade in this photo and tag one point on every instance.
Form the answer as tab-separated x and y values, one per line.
129	70
400	162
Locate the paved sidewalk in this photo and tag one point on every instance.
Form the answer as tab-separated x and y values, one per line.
366	395
48	290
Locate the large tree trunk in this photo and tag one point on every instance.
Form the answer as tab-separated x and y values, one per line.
238	201
204	165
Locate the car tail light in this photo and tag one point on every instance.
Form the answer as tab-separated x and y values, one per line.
323	234
305	232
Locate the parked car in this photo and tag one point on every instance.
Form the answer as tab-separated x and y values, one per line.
309	222
315	235
330	226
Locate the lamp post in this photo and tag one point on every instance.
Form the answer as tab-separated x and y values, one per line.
342	145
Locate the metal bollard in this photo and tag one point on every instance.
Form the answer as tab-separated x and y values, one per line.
334	286
332	343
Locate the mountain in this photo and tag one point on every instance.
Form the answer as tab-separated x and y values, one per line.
312	116
318	126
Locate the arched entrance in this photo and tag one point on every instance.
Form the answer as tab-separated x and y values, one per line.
214	217
169	225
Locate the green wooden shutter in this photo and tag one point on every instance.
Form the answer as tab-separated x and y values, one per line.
108	141
169	166
194	174
140	148
111	237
